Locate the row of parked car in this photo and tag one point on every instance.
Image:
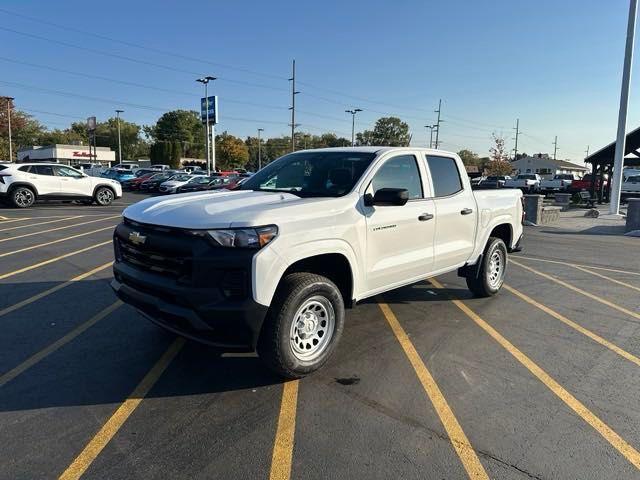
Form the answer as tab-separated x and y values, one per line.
173	181
565	182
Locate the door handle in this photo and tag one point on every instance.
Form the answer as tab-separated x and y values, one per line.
425	216
466	211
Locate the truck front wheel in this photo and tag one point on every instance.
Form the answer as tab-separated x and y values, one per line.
488	280
303	326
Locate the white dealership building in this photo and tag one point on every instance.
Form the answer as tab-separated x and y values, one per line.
67	154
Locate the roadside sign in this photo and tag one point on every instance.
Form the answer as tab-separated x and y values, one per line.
91	124
213	110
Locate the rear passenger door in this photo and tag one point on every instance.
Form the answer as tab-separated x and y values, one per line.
455	212
45	180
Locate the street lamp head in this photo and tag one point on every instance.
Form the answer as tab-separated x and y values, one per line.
8	99
261	129
119	111
205	79
358	110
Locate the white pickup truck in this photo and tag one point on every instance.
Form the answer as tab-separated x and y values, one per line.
273	264
528	182
559	183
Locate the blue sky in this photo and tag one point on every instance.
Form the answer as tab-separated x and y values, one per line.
555	65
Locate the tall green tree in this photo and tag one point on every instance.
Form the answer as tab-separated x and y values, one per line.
389	131
25	130
182	126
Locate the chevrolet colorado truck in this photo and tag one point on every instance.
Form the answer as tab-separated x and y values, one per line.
272	265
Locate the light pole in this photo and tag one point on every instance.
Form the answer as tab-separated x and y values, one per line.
618	157
9	100
259	149
353	124
205	81
430	127
118	112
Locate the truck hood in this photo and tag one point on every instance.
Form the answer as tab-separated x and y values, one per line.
210	209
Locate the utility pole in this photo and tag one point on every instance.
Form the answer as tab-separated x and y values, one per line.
555	147
9	100
430	127
260	149
515	149
118	112
618	158
438	111
205	82
353	124
586	153
293	106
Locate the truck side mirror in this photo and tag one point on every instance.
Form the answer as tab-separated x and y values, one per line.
387	197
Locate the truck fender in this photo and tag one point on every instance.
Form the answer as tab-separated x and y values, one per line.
267	271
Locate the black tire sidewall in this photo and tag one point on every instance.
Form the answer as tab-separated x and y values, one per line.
287	302
98	192
494	243
15	191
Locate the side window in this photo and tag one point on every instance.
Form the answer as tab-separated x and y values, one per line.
25	168
67	172
445	175
399	172
43	170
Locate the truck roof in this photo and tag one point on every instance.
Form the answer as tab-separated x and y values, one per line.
378	149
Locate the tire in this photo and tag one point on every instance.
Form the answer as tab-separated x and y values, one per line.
23	197
492	270
303	326
104	196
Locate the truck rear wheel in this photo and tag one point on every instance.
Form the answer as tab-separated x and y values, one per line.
303	326
489	279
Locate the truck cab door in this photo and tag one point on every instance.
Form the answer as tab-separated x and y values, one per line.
399	239
455	209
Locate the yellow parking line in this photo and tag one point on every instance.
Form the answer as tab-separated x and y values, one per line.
41	223
51	260
615	440
604	277
33	247
574	264
458	439
49	291
124	411
37	357
58	228
579	290
15	220
285	433
593	336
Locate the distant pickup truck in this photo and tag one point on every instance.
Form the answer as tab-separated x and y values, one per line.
585	183
631	186
273	264
527	182
559	183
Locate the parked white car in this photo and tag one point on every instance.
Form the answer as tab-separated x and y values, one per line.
24	183
160	166
126	166
527	182
171	185
559	183
273	264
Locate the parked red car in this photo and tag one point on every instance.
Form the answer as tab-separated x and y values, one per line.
134	183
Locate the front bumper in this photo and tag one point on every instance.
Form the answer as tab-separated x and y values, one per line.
210	301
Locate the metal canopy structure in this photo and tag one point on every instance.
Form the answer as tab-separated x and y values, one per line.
602	162
604	156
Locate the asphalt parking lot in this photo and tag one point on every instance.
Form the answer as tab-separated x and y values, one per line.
539	382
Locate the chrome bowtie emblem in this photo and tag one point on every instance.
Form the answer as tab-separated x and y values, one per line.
135	237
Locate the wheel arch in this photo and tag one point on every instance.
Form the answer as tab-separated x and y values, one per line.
105	185
29	185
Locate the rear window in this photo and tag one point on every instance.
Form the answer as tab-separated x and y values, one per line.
527	177
42	169
444	175
24	168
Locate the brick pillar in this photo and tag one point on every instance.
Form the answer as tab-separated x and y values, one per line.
533	208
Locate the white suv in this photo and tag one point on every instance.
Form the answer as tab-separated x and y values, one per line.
24	183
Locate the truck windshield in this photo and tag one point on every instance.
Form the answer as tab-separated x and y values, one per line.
312	174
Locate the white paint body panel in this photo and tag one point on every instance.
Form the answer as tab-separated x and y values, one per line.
380	258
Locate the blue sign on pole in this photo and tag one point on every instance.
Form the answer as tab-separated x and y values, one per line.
213	110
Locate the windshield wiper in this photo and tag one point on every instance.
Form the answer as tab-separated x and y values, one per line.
277	190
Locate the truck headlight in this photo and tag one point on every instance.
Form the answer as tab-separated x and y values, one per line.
256	237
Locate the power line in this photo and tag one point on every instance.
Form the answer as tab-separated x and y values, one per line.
68	28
